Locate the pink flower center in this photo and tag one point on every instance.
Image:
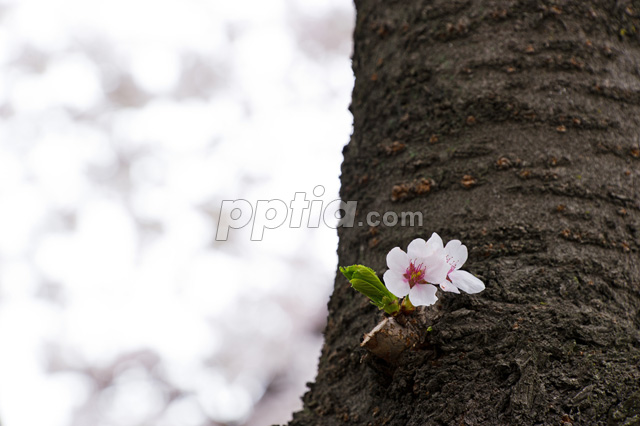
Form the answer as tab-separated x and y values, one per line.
452	262
414	274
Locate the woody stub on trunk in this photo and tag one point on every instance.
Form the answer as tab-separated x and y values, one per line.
513	126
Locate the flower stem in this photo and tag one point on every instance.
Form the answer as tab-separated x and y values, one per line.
407	307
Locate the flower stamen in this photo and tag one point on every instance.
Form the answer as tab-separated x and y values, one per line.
414	274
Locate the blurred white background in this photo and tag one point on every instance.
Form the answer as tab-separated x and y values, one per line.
123	126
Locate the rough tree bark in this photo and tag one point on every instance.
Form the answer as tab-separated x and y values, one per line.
513	126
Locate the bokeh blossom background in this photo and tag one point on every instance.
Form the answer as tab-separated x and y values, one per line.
123	126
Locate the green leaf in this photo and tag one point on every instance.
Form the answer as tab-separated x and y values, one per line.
371	291
350	270
365	280
369	275
390	305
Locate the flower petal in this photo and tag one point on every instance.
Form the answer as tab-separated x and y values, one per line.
447	286
423	295
417	248
397	260
396	283
436	267
466	282
434	243
457	253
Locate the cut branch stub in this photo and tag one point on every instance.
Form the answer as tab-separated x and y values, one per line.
389	339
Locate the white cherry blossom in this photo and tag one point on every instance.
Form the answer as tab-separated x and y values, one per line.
455	256
413	273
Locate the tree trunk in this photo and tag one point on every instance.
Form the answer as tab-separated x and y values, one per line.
512	126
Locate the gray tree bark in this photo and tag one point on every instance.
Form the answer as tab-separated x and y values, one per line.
512	126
